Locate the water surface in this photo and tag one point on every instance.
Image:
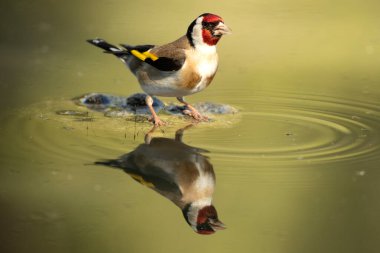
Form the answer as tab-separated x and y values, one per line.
296	169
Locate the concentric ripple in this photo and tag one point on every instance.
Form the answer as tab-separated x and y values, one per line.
305	128
281	129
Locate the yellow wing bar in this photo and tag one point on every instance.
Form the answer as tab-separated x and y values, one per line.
143	56
141	180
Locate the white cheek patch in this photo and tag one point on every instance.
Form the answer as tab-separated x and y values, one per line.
194	209
197	36
197	32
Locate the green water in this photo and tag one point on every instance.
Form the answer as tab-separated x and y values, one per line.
297	169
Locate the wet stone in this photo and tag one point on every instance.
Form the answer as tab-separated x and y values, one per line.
134	104
119	106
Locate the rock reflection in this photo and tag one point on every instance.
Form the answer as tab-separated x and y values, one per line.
178	172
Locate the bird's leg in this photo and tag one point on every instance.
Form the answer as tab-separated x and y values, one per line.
148	135
156	120
191	110
179	132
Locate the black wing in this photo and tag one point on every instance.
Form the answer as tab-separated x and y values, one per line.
166	64
150	176
162	63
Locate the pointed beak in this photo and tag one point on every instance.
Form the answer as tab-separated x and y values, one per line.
217	225
222	29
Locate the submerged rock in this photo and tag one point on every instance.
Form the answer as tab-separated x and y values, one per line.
134	104
118	106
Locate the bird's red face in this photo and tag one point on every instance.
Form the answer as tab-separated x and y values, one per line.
207	221
213	28
206	30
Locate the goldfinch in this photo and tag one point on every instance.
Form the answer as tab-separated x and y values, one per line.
177	69
180	173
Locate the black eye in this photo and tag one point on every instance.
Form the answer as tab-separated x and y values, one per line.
209	25
204	227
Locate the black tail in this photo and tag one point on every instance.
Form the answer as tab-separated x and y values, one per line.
108	48
115	163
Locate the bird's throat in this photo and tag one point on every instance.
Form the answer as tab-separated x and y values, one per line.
208	38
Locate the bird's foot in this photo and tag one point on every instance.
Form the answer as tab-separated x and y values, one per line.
157	121
192	112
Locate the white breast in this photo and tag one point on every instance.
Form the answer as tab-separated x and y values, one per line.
200	189
205	60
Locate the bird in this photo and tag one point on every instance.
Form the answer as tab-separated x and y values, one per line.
177	69
178	172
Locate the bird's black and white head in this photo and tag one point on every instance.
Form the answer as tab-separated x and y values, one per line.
202	218
206	30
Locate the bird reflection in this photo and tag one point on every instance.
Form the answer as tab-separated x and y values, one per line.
178	172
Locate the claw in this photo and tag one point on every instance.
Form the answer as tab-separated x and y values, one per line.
192	112
157	121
